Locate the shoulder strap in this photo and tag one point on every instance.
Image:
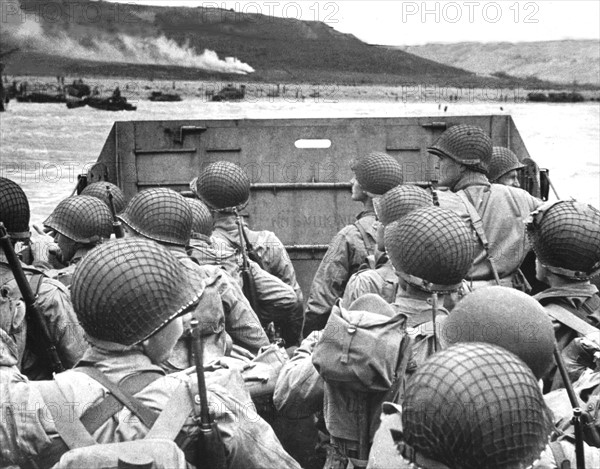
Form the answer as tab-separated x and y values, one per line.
171	420
141	411
559	455
568	317
36	283
403	358
369	245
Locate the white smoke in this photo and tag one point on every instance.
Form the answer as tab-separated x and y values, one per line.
26	32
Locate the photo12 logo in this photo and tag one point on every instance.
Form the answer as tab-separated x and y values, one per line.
471	12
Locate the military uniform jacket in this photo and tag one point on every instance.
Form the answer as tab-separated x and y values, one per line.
376	276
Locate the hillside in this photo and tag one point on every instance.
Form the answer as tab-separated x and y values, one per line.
568	62
178	43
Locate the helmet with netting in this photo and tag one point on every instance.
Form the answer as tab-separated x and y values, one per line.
431	248
100	191
223	185
202	218
506	317
475	406
466	144
14	209
160	214
82	218
377	172
126	290
400	201
566	238
503	161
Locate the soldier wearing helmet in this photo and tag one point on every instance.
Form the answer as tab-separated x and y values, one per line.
471	406
129	295
80	223
496	211
374	174
566	240
165	217
225	188
377	275
54	301
432	250
101	189
504	167
276	300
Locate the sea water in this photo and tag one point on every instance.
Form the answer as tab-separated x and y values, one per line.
44	146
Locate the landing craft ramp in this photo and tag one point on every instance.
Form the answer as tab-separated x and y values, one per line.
299	168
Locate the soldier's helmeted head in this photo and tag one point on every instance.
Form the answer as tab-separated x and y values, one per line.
223	185
100	191
127	290
565	236
504	167
461	147
396	204
202	225
431	248
161	215
473	406
79	220
508	318
14	209
375	174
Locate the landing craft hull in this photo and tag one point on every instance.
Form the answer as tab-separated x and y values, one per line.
302	194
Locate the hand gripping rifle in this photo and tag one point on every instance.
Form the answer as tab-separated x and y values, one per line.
249	286
582	421
34	316
117	226
211	450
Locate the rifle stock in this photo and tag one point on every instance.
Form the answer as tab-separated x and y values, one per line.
117	226
34	316
249	287
211	450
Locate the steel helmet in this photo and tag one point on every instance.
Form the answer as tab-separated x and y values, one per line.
431	248
466	144
82	218
508	318
400	201
202	218
223	185
126	290
100	190
503	161
160	214
475	406
14	209
566	238
377	172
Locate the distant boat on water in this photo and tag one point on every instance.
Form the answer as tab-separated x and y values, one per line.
106	104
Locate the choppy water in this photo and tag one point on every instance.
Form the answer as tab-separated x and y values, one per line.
44	146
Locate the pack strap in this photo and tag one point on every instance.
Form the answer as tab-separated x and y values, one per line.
95	416
567	316
369	245
169	424
562	462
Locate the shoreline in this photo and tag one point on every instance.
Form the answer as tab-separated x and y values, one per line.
136	89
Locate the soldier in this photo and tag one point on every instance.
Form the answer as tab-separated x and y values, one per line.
496	211
471	406
100	191
164	216
80	223
375	174
566	240
275	300
504	167
53	298
225	188
129	295
378	275
431	249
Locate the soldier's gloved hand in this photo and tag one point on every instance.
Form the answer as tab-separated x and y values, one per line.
580	354
45	252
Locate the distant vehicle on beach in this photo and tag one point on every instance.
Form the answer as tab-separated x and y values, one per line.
230	93
164	97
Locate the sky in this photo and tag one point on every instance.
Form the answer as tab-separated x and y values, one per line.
420	22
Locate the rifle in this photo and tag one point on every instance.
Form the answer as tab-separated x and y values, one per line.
34	316
249	286
582	421
117	226
211	450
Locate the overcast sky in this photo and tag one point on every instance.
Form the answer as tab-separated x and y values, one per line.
420	22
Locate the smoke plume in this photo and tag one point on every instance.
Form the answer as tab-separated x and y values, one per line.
26	31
